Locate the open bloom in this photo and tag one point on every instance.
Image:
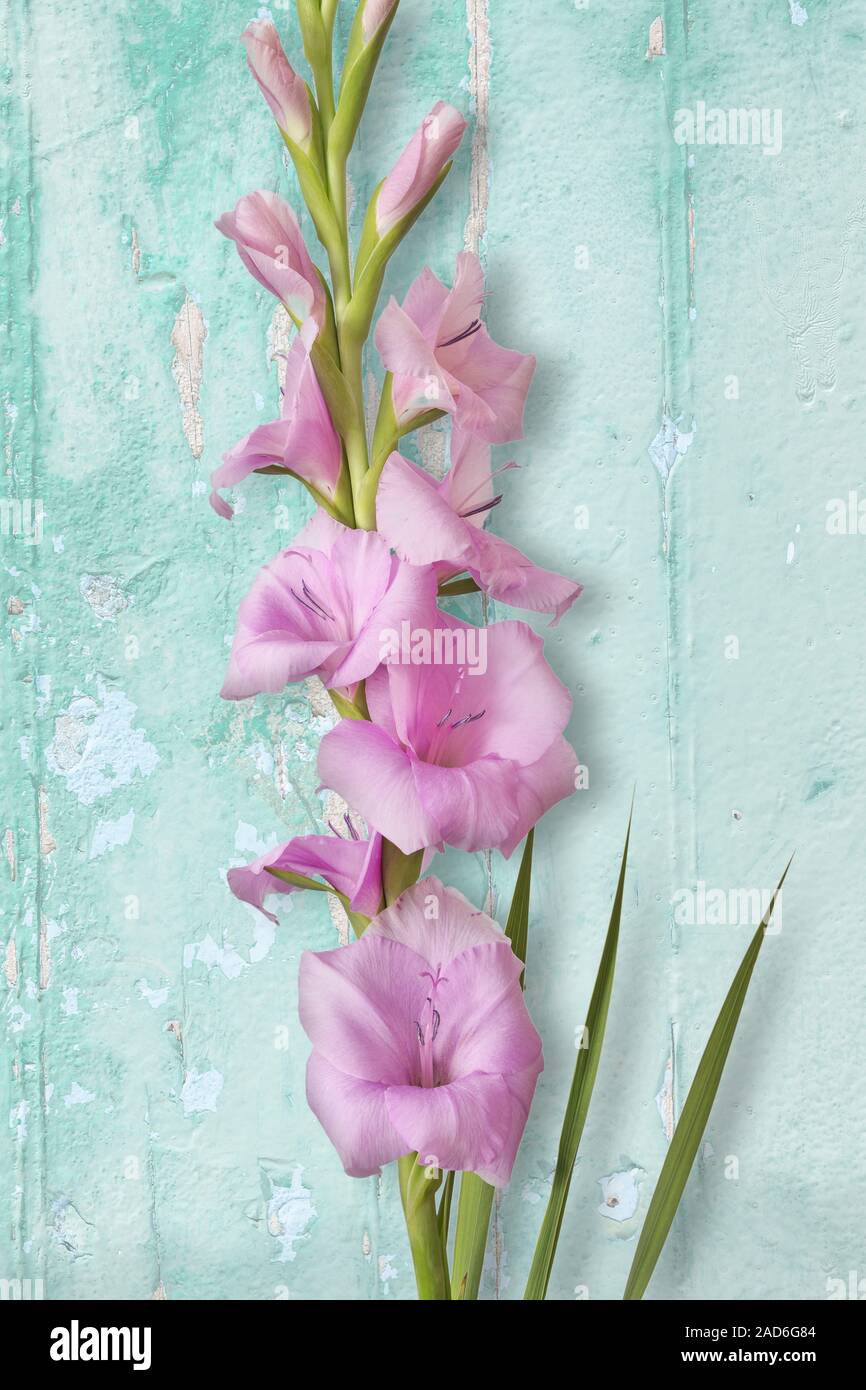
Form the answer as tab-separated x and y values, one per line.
284	91
421	1040
322	608
441	522
419	166
443	358
466	754
269	242
352	866
303	440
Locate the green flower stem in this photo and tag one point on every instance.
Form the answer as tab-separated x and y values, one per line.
470	1237
418	1186
355	430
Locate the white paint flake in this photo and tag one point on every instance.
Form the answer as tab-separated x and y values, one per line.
154	997
96	748
111	833
214	957
201	1091
290	1212
104	594
799	14
77	1095
18	1120
620	1194
70	1001
670	444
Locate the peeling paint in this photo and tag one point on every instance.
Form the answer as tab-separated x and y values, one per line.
656	47
109	834
96	747
105	595
187	338
290	1213
201	1091
620	1194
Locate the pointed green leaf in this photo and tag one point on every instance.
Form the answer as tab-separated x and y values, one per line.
693	1120
517	926
476	1196
582	1084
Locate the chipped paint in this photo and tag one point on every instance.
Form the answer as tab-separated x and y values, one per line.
201	1091
620	1194
96	747
188	338
105	595
656	46
290	1214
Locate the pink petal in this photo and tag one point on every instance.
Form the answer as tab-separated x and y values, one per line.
359	1005
541	786
344	864
409	597
402	344
375	776
463	1126
354	1116
282	88
456	926
484	1022
468	484
420	164
521	1088
494	385
270	244
417	520
375	12
464	301
505	573
472	807
425	303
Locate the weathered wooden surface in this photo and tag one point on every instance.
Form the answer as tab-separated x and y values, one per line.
703	306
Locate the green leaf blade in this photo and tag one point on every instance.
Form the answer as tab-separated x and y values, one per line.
583	1081
476	1195
693	1120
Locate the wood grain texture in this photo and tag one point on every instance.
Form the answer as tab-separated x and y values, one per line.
698	314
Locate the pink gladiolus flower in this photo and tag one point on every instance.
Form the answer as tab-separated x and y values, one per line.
269	242
443	358
284	91
421	1040
352	866
468	754
303	440
375	12
429	522
420	164
322	608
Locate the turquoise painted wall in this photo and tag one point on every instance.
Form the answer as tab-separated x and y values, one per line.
698	312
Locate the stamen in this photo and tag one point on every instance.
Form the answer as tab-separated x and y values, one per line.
469	719
482	507
467	333
316	612
427	1026
444	720
308	594
350	827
